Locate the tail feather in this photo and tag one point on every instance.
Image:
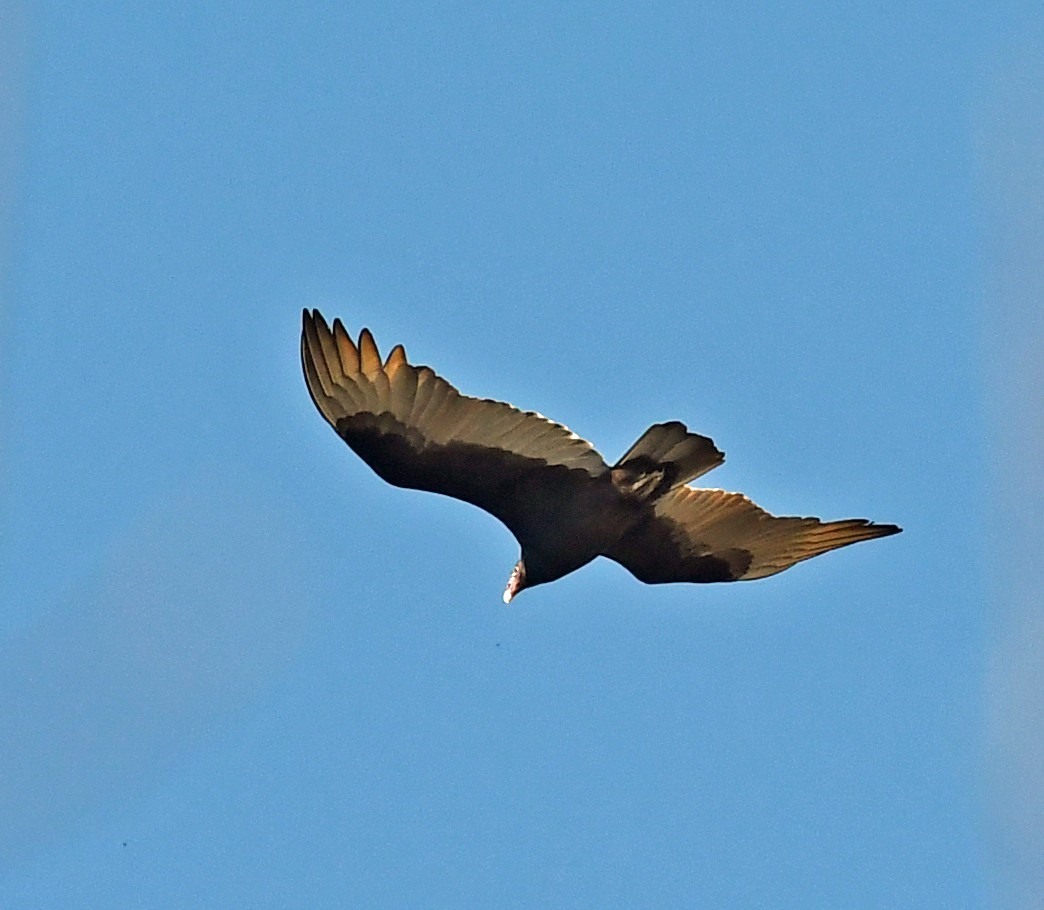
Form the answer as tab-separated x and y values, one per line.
665	456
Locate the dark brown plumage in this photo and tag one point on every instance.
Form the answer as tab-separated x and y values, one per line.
550	488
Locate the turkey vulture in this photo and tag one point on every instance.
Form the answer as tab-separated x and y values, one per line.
554	492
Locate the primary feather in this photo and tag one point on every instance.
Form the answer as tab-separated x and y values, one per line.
552	490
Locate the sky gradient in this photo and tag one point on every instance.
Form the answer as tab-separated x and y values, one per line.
237	669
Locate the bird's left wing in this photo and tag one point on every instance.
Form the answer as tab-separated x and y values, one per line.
416	430
710	535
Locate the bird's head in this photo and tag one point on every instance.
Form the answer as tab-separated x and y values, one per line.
516	582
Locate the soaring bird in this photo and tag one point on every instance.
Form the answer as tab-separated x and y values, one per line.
551	489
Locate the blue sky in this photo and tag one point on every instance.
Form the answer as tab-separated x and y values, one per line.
239	670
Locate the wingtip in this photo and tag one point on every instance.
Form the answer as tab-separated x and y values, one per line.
313	319
870	530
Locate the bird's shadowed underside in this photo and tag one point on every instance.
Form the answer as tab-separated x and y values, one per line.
551	489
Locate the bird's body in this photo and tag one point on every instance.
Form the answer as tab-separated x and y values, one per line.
552	490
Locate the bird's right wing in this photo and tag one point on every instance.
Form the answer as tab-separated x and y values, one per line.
710	535
416	430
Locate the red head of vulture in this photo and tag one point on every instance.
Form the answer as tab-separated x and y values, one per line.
554	492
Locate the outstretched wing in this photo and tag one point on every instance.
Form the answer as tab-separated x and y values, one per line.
416	430
711	535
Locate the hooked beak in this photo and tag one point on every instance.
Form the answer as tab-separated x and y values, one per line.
516	582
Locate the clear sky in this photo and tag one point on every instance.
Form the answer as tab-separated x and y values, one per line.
238	670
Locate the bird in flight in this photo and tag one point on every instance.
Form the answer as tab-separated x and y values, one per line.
551	489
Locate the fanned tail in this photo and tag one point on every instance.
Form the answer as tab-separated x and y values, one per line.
664	457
